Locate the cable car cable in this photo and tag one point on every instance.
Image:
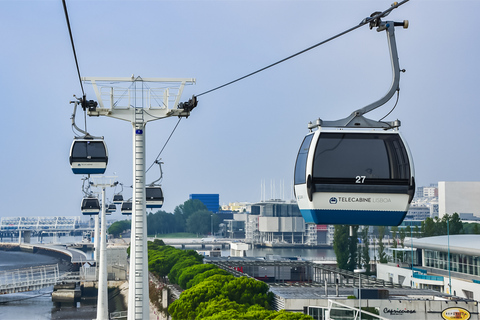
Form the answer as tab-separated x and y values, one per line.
158	156
73	45
370	19
374	17
396	102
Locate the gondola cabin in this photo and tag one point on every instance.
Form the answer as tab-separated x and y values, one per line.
111	208
126	207
117	199
154	197
90	206
354	176
88	156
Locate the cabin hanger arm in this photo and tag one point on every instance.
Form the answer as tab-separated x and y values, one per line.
389	27
356	119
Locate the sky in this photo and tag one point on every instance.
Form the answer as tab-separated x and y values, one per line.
242	134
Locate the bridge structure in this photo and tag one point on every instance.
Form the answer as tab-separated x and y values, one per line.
40	223
33	278
25	227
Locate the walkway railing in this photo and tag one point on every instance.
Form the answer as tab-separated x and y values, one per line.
33	278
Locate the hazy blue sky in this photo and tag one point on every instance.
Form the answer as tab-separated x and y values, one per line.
244	133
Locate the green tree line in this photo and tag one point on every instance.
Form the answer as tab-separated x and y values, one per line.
210	292
191	216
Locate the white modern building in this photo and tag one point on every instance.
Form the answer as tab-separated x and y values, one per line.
418	213
457	273
460	197
280	223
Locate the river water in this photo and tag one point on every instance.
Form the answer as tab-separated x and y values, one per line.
38	305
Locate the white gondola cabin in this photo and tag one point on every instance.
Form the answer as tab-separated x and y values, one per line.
154	197
126	207
88	156
117	199
90	206
354	176
111	208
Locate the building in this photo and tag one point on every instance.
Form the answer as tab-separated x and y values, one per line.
460	197
418	213
427	192
235	207
280	223
457	274
211	201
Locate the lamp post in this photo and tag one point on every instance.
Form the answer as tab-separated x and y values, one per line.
359	271
448	258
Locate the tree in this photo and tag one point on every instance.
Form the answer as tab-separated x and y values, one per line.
119	226
161	222
455	224
366	250
180	267
182	212
199	222
352	249
205	275
221	306
408	231
248	291
402	234
417	231
428	227
394	236
441	225
191	206
185	307
382	257
190	272
476	228
340	245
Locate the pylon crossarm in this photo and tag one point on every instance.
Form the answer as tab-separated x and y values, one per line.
122	97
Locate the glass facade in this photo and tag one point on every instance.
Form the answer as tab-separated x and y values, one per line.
211	201
458	262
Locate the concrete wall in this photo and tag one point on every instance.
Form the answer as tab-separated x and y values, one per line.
459	196
281	224
268	224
